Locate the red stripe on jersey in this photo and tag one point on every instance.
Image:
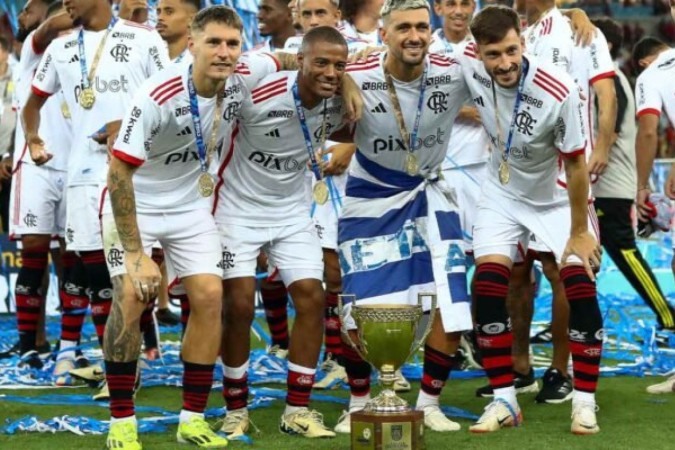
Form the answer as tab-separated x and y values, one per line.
274	58
362	67
574	153
32	45
367	60
170	94
269	86
223	166
654	111
169	90
554	82
40	93
602	76
546	87
101	202
163	85
119	154
471	50
137	25
23	153
268	95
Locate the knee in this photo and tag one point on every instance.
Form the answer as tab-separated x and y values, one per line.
239	310
208	301
309	300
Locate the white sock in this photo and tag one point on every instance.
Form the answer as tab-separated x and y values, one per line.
66	350
290	409
357	403
583	397
235	373
424	400
185	416
508	394
123	419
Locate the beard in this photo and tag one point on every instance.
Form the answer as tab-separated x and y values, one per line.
22	33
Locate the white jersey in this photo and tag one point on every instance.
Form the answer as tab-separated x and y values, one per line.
377	135
654	88
184	58
54	124
549	124
131	54
354	46
158	134
373	38
550	40
262	179
468	143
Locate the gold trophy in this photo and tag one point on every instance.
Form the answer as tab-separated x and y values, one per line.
385	336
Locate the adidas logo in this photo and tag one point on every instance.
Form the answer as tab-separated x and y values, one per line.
273	133
379	108
75	58
479	101
186	131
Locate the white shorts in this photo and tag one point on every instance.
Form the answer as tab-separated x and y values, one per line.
503	227
467	181
189	239
294	250
83	224
537	246
38	201
325	216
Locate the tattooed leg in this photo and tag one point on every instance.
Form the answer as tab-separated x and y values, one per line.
122	341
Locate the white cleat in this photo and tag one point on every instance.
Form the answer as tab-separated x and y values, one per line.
498	414
104	394
334	373
236	422
90	374
665	387
305	422
435	420
344	424
401	384
278	352
62	370
583	418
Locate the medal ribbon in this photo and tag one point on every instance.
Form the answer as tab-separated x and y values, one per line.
203	151
408	138
88	78
516	107
316	168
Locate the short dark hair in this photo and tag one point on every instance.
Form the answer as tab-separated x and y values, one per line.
218	14
613	32
328	35
646	46
493	23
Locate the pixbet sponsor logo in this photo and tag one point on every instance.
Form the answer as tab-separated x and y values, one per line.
393	144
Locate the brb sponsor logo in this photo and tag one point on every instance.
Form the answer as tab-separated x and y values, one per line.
102	86
394	144
272	162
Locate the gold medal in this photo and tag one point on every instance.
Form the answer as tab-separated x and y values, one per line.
205	184
320	192
411	166
65	111
504	175
87	98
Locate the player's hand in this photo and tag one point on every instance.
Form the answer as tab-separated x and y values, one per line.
584	30
598	162
584	246
341	156
145	275
641	204
669	188
134	10
470	114
38	152
352	99
366	52
6	168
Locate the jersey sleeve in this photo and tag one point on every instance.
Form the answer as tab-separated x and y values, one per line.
158	54
601	64
570	135
134	139
647	96
254	66
555	52
46	81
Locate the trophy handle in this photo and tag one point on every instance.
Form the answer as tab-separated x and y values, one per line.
432	317
345	332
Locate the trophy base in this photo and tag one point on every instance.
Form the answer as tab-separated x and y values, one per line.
387	431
